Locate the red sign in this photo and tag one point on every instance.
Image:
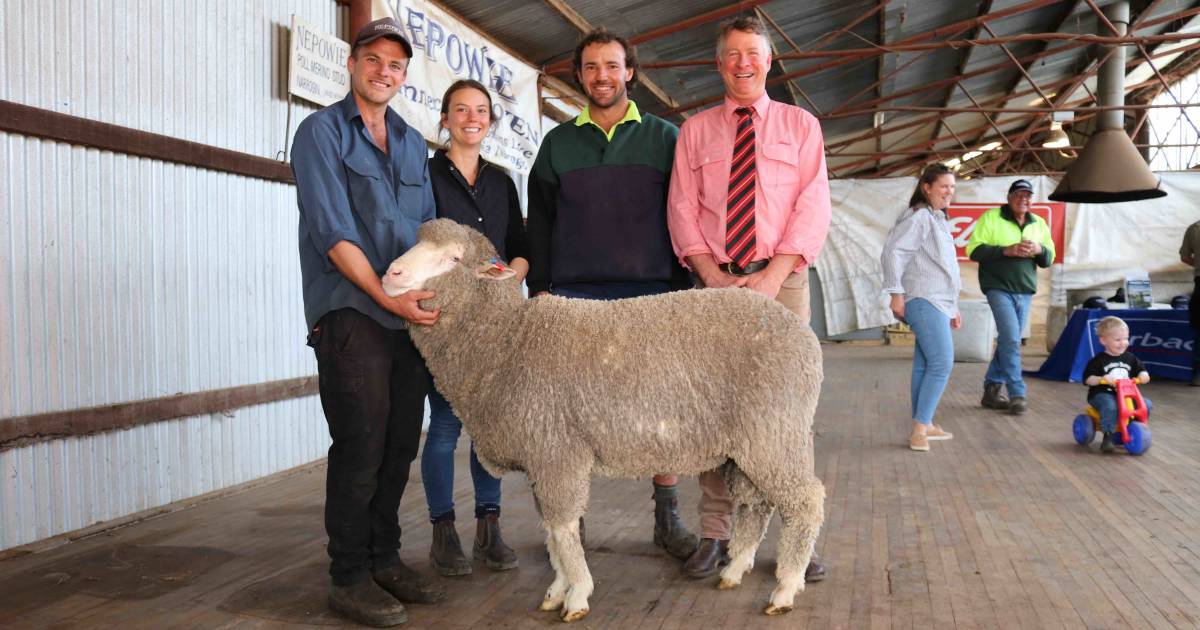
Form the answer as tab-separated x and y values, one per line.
964	215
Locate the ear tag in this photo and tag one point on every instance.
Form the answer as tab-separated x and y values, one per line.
497	264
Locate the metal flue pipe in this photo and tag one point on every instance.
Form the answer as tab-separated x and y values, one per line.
1109	169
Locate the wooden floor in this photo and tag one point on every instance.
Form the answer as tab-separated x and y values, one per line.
1009	525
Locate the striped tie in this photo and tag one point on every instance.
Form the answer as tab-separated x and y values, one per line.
739	218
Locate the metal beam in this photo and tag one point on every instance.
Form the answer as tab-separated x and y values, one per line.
583	26
1143	145
43	123
669	29
850	55
565	90
360	14
1074	81
924	120
914	40
1145	55
793	89
1093	67
992	122
1062	22
937	84
889	22
31	429
964	60
985	109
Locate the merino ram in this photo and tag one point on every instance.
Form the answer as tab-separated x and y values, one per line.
565	389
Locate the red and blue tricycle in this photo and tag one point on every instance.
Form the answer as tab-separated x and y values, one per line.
1133	430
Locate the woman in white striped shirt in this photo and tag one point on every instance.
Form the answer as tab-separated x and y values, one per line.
920	272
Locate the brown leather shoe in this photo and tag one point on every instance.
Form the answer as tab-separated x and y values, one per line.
710	556
815	571
407	585
366	603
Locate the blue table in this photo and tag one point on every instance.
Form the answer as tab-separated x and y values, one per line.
1161	338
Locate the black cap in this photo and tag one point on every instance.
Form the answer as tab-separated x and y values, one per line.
1021	184
383	27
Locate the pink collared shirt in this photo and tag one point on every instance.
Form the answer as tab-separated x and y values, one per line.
791	200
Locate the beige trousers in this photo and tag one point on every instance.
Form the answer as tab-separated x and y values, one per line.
716	504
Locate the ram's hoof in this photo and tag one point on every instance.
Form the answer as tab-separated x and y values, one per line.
773	610
548	605
569	616
727	584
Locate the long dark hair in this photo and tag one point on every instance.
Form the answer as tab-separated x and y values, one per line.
928	176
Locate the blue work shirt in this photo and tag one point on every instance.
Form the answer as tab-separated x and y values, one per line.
349	190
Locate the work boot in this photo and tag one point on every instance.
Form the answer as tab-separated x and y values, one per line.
711	554
1017	405
407	585
490	546
1106	445
366	603
815	571
669	532
993	396
445	552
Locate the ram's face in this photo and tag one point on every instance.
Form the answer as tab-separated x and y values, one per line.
425	260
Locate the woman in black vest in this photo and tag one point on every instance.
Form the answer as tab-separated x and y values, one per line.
474	192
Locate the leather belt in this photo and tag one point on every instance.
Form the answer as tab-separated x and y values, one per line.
733	269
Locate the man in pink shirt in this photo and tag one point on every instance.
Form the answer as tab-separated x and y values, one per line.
748	207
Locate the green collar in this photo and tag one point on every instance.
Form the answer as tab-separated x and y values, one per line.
631	114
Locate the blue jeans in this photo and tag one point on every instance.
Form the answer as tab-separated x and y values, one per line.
437	465
1011	310
1106	404
933	357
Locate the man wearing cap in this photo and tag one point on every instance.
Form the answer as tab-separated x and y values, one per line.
749	207
363	189
1009	243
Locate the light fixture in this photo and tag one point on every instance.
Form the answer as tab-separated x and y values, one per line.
1109	168
1056	138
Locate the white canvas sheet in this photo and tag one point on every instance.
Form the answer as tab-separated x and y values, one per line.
1102	242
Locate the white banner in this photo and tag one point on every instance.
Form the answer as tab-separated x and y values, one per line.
1103	244
446	50
317	64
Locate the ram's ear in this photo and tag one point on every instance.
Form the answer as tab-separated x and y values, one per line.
494	269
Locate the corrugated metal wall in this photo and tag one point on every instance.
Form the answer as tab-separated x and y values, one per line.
123	278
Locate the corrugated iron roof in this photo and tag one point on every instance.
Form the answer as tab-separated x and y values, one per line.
867	78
